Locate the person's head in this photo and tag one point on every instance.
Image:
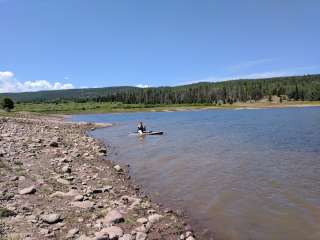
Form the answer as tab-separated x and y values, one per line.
141	123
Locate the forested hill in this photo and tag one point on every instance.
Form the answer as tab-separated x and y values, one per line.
297	88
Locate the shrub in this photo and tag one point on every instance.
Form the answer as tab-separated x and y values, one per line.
4	212
7	104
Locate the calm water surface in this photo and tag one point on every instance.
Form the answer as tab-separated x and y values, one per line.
246	174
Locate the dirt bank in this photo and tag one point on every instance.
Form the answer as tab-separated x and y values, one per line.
55	183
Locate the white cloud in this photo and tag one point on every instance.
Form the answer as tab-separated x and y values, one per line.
142	86
6	75
9	84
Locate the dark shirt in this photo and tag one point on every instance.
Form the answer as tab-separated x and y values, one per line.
141	128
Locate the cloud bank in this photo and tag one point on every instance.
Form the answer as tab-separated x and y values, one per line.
143	86
8	83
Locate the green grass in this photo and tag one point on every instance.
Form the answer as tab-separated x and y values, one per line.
106	107
95	107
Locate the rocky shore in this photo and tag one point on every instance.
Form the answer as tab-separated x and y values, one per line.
55	183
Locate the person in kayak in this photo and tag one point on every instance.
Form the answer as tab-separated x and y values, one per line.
141	128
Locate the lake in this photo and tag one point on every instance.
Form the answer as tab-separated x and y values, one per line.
238	174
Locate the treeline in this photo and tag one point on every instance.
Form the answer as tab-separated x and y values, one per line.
295	88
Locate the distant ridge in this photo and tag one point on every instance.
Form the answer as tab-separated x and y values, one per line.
294	87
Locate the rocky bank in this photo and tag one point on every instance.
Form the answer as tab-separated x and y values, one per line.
55	183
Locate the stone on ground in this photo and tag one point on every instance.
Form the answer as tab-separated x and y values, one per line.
141	236
51	218
114	216
113	232
155	218
28	190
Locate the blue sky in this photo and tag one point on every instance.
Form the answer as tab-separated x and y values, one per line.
56	44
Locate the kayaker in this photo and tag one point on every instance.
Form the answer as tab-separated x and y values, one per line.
141	128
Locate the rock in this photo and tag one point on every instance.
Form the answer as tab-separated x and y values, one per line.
168	210
142	220
84	237
66	169
44	231
103	237
54	144
22	178
141	236
72	232
126	237
190	238
103	150
78	198
14	178
101	190
142	228
51	218
113	232
97	190
70	178
29	190
65	160
84	204
117	168
63	181
114	216
155	218
62	194
151	211
148	226
107	188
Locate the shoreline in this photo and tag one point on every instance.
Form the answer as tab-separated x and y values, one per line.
56	183
104	108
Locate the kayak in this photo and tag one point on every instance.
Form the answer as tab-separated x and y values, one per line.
146	133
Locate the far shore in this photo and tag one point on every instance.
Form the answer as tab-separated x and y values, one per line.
70	108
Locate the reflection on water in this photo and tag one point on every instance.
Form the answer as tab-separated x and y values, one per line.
249	174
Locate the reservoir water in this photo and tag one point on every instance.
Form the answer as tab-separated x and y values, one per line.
240	174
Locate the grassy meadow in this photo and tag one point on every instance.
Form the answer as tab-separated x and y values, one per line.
106	107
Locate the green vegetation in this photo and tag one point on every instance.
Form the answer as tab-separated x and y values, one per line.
4	212
297	88
7	104
199	95
96	107
99	107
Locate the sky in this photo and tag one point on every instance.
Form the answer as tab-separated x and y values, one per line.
59	44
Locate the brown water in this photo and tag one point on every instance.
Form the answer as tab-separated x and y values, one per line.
247	174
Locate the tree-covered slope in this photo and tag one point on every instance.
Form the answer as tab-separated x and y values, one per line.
297	88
